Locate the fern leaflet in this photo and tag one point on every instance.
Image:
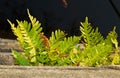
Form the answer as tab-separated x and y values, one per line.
91	37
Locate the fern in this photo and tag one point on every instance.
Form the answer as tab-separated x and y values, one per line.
20	59
113	38
69	43
60	47
98	49
29	37
91	37
97	55
61	50
35	24
56	39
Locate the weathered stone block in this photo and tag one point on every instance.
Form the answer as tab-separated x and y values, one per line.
6	58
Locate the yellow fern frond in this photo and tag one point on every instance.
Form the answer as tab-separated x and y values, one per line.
17	32
33	20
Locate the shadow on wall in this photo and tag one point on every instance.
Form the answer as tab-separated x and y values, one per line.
53	14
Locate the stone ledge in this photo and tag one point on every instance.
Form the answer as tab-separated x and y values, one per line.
56	72
115	67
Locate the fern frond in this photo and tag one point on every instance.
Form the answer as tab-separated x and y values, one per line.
61	48
17	32
20	59
96	55
112	37
112	40
28	36
56	38
24	31
91	36
69	43
27	39
34	22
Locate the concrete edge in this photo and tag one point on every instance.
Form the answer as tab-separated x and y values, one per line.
114	67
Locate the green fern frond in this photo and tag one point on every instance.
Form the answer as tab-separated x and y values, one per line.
91	36
56	38
69	43
57	35
61	47
20	59
17	33
34	22
24	31
112	38
28	36
96	55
